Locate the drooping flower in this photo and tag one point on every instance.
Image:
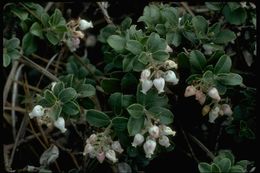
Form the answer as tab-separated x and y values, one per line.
145	74
164	141
149	147
83	24
88	149
168	49
60	124
213	114
166	130
117	147
190	91
169	64
92	139
37	111
73	43
154	131
200	96
205	110
138	140
171	77
159	84
101	157
111	155
225	110
213	93
146	85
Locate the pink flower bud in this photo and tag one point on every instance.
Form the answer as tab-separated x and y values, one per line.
101	157
149	147
138	140
200	96
111	155
213	93
213	114
117	147
171	77
37	111
145	74
154	131
190	91
159	84
60	124
164	141
225	110
146	85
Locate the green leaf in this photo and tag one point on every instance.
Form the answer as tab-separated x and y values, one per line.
233	5
28	44
58	88
224	36
204	167
52	37
174	38
227	154
237	169
86	90
236	17
229	79
67	95
135	125
126	23
243	163
6	59
12	43
56	17
127	100
129	82
119	123
183	61
165	115
144	58
215	6
215	168
200	24
50	97
115	101
215	28
134	46
116	42
215	56
106	32
197	60
155	43
22	14
45	18
55	111
224	164
160	55
128	63
97	118
36	30
14	54
110	85
160	28
223	65
71	108
136	110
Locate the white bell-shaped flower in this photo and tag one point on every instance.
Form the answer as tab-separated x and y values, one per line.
154	131
138	140
37	111
149	147
101	157
88	149
190	91
83	24
117	147
92	139
200	96
168	49
164	141
213	93
159	84
166	130
170	76
146	86
60	124
111	155
213	114
145	74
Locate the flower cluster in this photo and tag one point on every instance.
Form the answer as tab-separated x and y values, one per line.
219	110
43	117
159	77
75	35
154	134
101	146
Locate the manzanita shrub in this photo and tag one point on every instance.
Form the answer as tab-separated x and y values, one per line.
125	104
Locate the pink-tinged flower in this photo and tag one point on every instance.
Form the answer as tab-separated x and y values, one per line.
213	93
154	131
145	74
37	111
83	24
101	157
165	130
146	85
149	147
213	114
225	110
200	96
164	141
111	155
159	84
117	147
92	139
73	43
190	91
88	149
138	140
60	124
171	77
